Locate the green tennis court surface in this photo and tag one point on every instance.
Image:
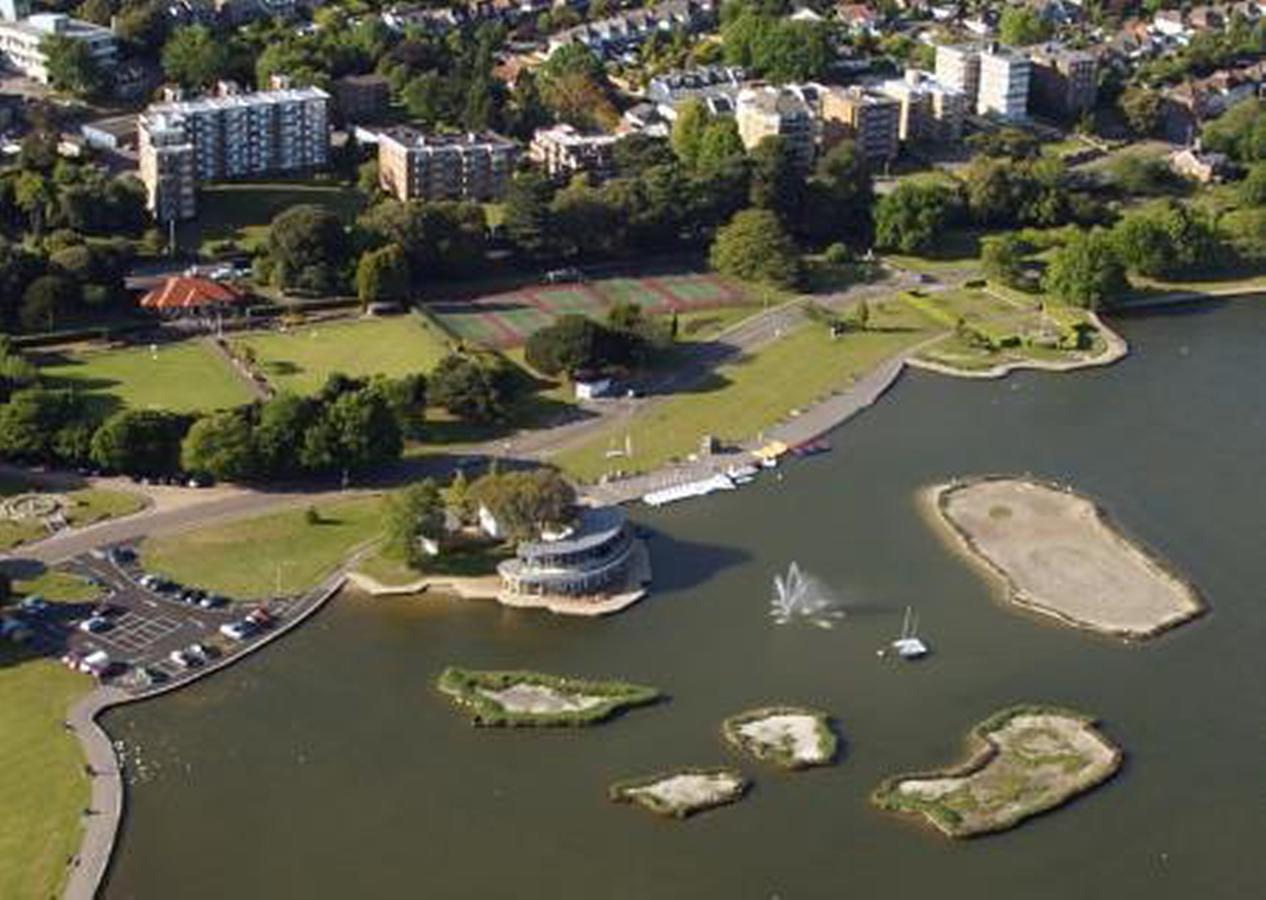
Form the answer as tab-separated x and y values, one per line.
506	320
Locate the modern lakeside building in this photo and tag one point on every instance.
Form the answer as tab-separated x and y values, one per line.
413	165
231	134
594	557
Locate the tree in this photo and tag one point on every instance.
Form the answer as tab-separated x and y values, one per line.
527	204
1240	132
841	196
913	217
720	148
1002	259
1020	26
35	425
464	387
1086	271
1253	187
1141	107
47	300
34	196
571	344
1164	240
525	502
71	66
365	430
382	274
283	421
222	446
777	182
688	130
415	513
754	246
194	57
308	247
140	442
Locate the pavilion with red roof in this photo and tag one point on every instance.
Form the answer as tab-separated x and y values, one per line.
191	294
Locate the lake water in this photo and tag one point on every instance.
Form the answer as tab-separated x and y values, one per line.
327	767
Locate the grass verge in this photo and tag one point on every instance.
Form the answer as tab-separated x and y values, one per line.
256	557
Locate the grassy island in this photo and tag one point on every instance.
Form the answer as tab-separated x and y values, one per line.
1026	760
788	736
681	793
510	698
1057	553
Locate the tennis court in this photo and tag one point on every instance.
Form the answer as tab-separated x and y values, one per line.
506	320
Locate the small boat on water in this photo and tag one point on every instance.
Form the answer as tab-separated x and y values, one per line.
744	474
811	448
909	646
699	488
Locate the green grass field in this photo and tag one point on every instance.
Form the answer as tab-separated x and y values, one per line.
41	775
183	377
242	212
242	558
753	393
302	358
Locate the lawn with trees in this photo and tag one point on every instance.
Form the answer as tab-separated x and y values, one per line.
300	359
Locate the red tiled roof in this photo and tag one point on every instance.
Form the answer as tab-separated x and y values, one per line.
185	292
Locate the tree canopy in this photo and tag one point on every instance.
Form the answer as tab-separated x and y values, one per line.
755	247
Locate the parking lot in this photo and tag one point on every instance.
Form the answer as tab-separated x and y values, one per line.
152	633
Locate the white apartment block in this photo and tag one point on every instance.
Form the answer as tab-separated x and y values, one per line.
1004	84
958	68
230	135
930	111
767	111
562	151
22	41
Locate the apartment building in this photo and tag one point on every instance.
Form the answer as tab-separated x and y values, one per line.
870	118
22	42
413	165
767	111
1004	83
958	68
167	168
1064	83
562	152
707	84
234	134
929	112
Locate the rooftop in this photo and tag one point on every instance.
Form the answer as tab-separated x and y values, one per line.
595	526
235	101
185	292
415	138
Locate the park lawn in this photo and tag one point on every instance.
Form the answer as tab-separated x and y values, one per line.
58	586
41	774
185	377
705	324
300	359
752	393
96	505
242	212
20	531
243	558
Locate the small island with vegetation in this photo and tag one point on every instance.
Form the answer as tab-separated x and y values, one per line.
1027	760
788	736
512	698
682	793
1058	554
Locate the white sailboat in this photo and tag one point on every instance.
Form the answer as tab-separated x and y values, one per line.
909	646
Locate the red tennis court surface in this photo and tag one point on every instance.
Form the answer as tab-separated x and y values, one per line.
506	320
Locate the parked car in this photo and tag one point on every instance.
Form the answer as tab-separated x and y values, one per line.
122	555
95	624
238	631
562	276
197	653
34	605
260	617
96	663
180	659
212	601
150	675
108	610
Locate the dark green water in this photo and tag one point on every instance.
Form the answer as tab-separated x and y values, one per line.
327	768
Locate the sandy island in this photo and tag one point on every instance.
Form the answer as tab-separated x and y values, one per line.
682	793
1057	553
1029	760
789	736
534	698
